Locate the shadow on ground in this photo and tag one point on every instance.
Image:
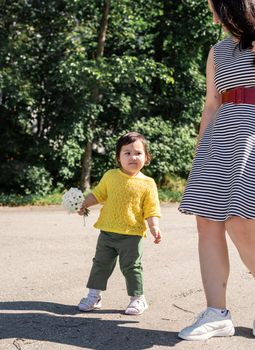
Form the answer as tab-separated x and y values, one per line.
62	324
58	323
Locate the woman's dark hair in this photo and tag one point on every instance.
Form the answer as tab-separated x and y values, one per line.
238	16
131	137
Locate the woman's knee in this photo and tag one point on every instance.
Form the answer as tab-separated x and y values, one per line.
241	231
202	225
209	228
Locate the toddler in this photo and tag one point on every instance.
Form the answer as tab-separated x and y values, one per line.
129	198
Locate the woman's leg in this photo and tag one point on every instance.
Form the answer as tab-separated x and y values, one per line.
214	261
214	265
242	233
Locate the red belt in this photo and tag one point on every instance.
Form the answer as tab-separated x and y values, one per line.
239	95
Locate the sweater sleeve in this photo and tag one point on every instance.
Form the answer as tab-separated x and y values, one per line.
100	191
151	202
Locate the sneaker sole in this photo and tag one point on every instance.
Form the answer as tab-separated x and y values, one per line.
225	332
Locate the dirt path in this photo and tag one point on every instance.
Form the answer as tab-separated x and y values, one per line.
45	260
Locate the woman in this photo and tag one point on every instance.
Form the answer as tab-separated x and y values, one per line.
221	186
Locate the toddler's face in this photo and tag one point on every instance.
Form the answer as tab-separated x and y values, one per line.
132	158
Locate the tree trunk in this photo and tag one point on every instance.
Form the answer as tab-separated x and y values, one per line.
86	167
162	32
103	29
95	98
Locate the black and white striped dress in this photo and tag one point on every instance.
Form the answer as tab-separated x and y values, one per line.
222	180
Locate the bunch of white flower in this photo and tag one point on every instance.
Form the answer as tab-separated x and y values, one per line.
72	200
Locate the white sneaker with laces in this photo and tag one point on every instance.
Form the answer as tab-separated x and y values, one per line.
136	306
90	303
208	324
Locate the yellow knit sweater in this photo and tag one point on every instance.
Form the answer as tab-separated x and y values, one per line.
127	202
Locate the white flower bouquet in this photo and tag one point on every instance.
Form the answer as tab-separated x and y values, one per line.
72	201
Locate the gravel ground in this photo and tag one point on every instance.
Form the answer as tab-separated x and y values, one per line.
46	258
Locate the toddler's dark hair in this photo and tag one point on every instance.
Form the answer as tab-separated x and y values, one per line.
131	137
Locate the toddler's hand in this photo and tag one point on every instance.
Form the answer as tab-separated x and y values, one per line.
155	231
82	209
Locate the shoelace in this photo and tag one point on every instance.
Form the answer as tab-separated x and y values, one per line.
199	316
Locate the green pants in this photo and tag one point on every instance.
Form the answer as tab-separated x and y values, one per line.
109	247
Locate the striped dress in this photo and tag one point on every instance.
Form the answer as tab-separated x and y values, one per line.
222	180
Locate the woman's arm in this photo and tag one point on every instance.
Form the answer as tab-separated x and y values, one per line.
212	100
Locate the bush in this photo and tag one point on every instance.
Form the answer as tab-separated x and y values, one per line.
25	179
172	149
36	180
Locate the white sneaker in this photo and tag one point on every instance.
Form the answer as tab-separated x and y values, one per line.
136	306
208	324
90	303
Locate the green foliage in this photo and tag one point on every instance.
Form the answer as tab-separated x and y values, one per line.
153	65
35	179
13	200
172	188
174	183
25	179
166	194
172	149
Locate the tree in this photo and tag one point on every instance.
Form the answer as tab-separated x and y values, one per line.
95	99
75	74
